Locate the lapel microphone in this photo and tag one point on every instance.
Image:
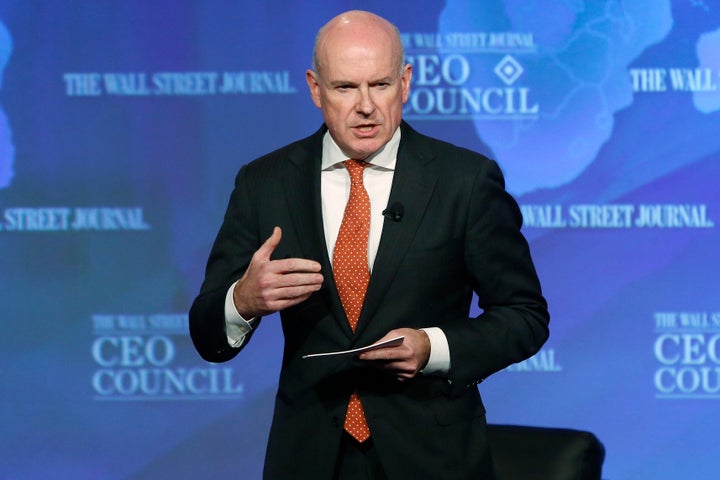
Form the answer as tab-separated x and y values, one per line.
394	212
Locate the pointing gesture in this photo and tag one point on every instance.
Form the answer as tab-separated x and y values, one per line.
272	285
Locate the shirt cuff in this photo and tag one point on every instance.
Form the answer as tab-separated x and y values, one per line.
439	361
236	327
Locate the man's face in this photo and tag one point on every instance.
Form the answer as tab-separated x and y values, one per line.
361	93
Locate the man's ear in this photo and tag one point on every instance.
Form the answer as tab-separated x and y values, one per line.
314	85
405	81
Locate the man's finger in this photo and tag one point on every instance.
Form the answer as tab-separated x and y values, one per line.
382	354
298	266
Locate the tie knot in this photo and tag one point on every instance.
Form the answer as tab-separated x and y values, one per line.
355	168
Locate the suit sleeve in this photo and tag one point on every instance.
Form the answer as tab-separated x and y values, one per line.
514	321
234	246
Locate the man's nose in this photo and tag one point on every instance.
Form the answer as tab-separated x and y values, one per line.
365	104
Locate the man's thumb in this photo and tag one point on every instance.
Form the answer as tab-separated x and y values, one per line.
270	244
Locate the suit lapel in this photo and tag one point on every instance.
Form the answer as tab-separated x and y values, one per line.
302	192
413	185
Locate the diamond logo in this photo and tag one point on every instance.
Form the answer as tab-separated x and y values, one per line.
508	69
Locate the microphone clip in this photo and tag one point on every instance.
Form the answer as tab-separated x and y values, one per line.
394	212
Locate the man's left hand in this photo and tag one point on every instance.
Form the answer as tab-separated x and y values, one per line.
404	360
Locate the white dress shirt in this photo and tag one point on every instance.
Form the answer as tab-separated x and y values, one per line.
335	184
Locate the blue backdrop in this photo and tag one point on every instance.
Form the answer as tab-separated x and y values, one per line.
122	125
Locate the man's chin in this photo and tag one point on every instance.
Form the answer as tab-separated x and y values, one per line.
363	149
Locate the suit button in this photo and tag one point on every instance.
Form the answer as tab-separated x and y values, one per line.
335	421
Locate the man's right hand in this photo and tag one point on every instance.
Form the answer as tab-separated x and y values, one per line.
272	285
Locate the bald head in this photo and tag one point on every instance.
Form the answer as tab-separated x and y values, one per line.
355	28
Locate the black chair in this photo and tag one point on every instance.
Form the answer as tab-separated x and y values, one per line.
540	453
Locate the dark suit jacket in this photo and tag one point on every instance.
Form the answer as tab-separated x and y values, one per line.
460	233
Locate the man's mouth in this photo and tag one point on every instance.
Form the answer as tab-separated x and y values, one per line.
365	129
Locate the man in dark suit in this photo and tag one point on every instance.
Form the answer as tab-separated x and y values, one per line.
433	224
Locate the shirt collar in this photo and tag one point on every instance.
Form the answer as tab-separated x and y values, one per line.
385	158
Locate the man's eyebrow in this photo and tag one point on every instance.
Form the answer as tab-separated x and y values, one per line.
338	83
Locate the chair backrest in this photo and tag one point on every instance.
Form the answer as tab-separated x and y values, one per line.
541	453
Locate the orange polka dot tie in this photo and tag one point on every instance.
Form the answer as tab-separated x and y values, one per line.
352	275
